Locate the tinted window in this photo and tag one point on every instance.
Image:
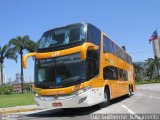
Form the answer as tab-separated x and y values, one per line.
120	74
125	75
114	73
111	47
63	36
130	60
110	73
92	60
94	35
123	55
118	51
107	45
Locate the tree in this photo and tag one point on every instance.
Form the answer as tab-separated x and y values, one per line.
138	71
153	66
149	67
6	52
21	43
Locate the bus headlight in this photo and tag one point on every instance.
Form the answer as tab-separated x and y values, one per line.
82	90
44	97
38	96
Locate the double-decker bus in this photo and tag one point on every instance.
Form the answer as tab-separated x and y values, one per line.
78	66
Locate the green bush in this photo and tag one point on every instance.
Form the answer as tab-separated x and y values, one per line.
157	78
148	81
4	89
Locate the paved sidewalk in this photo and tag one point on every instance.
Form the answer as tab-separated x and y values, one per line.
17	109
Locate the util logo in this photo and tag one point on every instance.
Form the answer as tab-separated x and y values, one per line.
55	54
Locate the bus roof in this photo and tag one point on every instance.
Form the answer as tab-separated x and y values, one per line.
86	23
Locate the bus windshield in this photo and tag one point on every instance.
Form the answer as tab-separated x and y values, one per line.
63	36
60	71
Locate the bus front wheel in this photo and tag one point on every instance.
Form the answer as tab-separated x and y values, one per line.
107	99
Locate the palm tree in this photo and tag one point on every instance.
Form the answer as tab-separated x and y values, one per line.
138	71
21	43
150	67
153	66
6	52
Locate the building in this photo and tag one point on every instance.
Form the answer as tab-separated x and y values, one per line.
156	47
18	77
27	87
156	51
9	82
17	87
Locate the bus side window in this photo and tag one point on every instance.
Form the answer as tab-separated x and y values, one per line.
107	73
92	61
90	73
125	75
114	73
94	35
120	74
113	48
107	45
92	65
110	73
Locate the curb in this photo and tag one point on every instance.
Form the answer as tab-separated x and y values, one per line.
17	110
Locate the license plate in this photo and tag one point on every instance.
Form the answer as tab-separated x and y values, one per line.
56	104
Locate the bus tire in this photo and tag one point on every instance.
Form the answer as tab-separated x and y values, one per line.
107	99
129	91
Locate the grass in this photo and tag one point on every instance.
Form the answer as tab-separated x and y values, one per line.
16	100
148	82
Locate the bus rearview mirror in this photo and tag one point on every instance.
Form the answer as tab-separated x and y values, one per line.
83	52
85	47
24	61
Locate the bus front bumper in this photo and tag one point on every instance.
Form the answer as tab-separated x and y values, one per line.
90	97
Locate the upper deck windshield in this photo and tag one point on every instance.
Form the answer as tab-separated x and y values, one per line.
63	36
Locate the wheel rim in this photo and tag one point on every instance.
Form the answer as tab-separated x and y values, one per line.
130	91
105	96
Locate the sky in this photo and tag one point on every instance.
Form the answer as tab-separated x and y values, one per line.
129	23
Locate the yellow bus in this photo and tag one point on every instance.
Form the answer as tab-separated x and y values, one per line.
78	66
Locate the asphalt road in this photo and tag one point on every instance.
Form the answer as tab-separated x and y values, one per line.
146	100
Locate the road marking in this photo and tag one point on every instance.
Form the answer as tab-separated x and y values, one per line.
155	97
130	111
